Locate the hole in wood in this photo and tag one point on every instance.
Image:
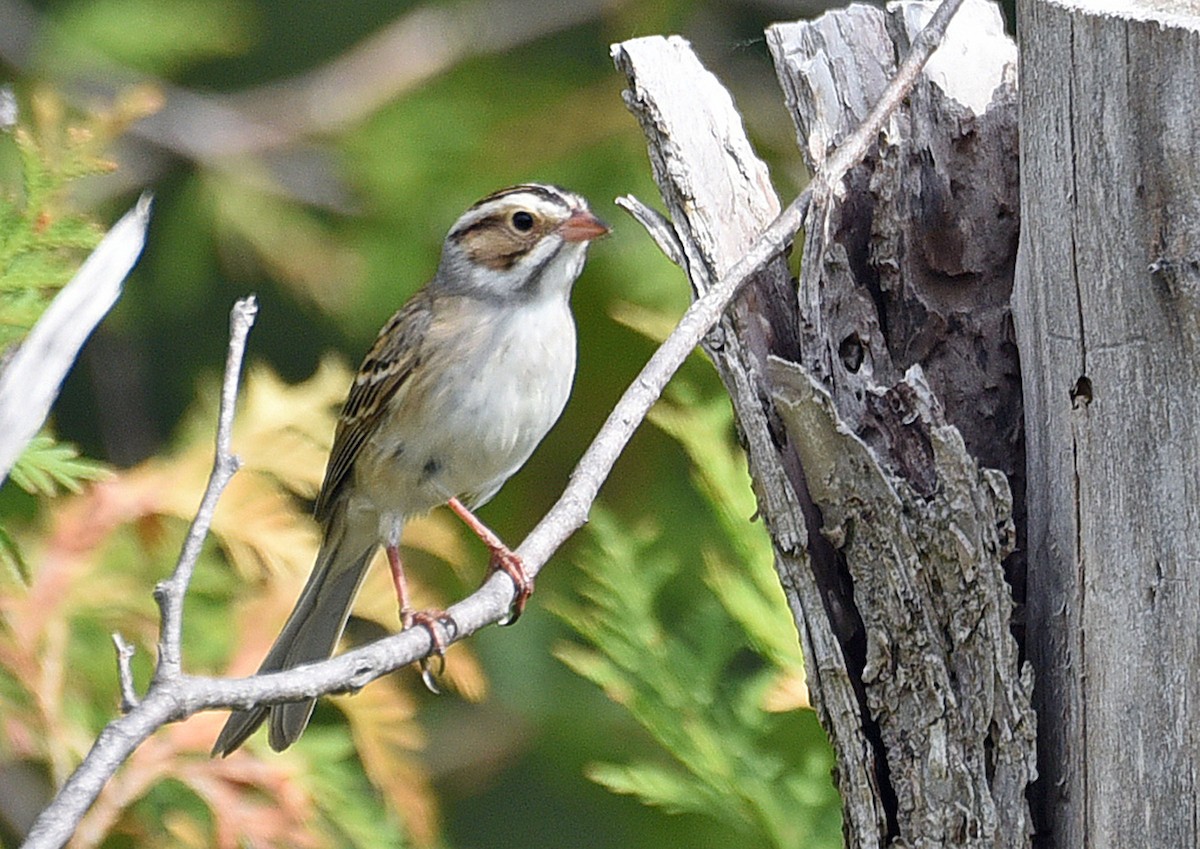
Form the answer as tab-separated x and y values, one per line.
1081	392
851	353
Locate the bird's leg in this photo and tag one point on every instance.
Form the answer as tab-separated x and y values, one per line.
503	559
400	583
427	619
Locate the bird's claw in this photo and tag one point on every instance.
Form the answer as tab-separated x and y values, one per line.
510	564
429	620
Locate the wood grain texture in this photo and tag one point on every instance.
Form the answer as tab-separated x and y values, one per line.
1108	319
916	258
941	674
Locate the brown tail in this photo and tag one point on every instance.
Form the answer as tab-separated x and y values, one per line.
310	634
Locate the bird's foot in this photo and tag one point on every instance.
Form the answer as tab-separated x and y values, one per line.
430	620
509	562
503	559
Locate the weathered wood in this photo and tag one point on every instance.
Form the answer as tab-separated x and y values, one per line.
913	264
1107	306
941	667
916	262
902	608
719	195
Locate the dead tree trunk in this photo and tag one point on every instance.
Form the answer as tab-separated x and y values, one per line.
866	396
1108	312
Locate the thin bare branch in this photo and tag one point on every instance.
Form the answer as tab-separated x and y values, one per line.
58	821
660	228
170	593
55	825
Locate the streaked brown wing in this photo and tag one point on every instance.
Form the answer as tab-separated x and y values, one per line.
391	360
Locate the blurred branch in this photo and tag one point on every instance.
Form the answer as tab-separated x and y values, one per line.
208	127
30	381
416	46
125	650
173	695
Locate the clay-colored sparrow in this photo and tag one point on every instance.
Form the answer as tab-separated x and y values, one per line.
458	389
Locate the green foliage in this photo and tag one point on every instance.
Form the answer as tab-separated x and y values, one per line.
346	801
43	235
11	560
698	667
750	592
47	467
42	241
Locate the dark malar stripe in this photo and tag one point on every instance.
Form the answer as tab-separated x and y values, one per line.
533	283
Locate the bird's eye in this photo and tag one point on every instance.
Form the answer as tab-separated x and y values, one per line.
522	221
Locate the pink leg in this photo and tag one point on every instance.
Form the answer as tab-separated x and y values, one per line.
502	558
401	584
427	619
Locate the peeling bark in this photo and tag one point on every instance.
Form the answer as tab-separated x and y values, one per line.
889	536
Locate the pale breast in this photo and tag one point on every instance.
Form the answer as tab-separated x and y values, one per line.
466	432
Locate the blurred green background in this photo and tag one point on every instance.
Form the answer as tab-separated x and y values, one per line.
301	155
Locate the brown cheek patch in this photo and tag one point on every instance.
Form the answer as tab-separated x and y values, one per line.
492	244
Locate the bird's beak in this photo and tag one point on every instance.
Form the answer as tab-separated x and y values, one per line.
582	226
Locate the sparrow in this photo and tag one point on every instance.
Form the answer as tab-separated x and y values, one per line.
460	386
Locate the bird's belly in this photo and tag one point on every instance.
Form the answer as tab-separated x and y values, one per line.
468	438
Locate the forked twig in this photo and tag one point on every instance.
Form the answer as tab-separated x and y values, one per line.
168	693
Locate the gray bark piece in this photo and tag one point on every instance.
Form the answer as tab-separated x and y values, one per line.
915	263
912	264
940	667
1108	316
